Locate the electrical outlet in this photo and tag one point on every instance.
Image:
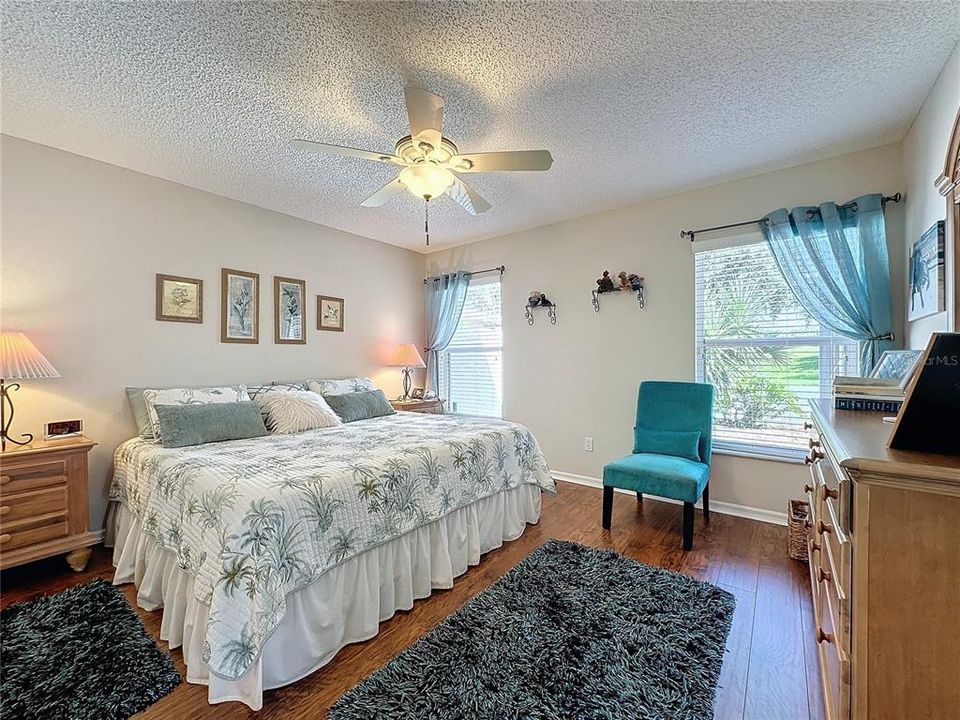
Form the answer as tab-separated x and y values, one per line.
588	444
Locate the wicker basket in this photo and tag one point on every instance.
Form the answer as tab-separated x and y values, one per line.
797	516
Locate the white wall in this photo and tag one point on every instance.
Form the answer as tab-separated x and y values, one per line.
579	378
81	243
924	154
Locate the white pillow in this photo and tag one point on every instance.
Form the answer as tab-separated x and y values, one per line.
290	411
341	386
191	396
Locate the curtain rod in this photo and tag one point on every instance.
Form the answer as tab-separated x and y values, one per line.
500	269
897	197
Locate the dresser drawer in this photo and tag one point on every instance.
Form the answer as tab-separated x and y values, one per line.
29	532
834	659
25	505
17	477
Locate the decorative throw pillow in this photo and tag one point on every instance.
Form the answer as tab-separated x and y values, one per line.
141	415
183	425
191	396
361	405
257	391
290	411
667	442
341	386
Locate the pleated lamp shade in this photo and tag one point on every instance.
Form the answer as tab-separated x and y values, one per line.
20	359
407	356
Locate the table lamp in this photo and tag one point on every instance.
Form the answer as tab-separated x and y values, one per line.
19	360
407	357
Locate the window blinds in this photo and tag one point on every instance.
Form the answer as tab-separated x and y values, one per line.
764	354
471	368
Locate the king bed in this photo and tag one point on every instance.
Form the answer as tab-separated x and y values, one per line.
270	554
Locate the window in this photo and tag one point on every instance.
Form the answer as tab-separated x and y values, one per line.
471	368
764	354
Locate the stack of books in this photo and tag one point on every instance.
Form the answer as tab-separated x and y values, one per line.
861	393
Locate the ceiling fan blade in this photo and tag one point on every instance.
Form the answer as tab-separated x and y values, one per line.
392	188
468	198
347	151
499	161
426	115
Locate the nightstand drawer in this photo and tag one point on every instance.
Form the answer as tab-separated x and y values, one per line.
30	532
18	477
31	504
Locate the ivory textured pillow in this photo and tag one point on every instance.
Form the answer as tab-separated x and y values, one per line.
290	411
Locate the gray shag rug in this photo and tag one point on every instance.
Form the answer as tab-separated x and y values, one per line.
570	632
81	654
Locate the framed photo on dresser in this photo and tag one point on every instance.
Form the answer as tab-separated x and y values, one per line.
239	306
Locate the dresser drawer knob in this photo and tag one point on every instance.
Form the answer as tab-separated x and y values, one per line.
829	492
5	538
807	488
814	546
811	443
4	510
824	575
807	425
824	636
823	527
4	479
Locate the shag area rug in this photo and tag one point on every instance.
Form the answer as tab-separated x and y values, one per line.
570	632
80	654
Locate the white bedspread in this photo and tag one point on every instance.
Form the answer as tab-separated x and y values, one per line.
254	520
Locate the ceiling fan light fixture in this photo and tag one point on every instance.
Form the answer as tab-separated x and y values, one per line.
426	180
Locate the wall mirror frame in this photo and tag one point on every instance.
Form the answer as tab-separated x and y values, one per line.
948	184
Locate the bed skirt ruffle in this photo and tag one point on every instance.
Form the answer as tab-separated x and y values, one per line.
344	606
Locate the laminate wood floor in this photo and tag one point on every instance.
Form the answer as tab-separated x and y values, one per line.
770	671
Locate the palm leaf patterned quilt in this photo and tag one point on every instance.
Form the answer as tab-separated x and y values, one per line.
254	520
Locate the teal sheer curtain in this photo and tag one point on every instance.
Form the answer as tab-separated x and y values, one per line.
834	259
445	297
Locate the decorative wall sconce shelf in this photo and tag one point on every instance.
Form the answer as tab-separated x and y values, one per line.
550	307
597	293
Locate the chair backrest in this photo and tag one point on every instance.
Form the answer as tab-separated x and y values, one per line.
684	406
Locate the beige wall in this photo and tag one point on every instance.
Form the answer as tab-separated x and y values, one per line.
924	154
579	378
81	243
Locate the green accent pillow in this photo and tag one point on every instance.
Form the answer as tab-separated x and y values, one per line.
360	405
183	425
678	443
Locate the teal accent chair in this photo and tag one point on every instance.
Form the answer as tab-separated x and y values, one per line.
679	408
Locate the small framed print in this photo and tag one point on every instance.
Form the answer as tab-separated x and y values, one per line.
179	299
239	306
288	308
329	313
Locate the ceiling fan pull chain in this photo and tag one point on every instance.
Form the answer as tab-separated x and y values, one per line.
426	220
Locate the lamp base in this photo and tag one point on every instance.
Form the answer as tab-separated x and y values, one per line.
6	421
407	383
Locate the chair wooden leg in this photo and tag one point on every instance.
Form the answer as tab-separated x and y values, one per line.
607	506
639	497
688	526
706	503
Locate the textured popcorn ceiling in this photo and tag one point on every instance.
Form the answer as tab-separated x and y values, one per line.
634	100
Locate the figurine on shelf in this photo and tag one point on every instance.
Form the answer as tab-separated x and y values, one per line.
605	284
634	281
536	298
624	281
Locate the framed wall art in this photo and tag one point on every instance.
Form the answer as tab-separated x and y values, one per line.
179	299
289	326
239	306
927	277
329	313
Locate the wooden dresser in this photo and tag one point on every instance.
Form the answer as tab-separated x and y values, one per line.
432	406
884	553
44	503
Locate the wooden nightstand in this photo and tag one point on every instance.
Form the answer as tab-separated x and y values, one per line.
44	503
432	406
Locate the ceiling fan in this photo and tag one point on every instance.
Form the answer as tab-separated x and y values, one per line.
431	163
